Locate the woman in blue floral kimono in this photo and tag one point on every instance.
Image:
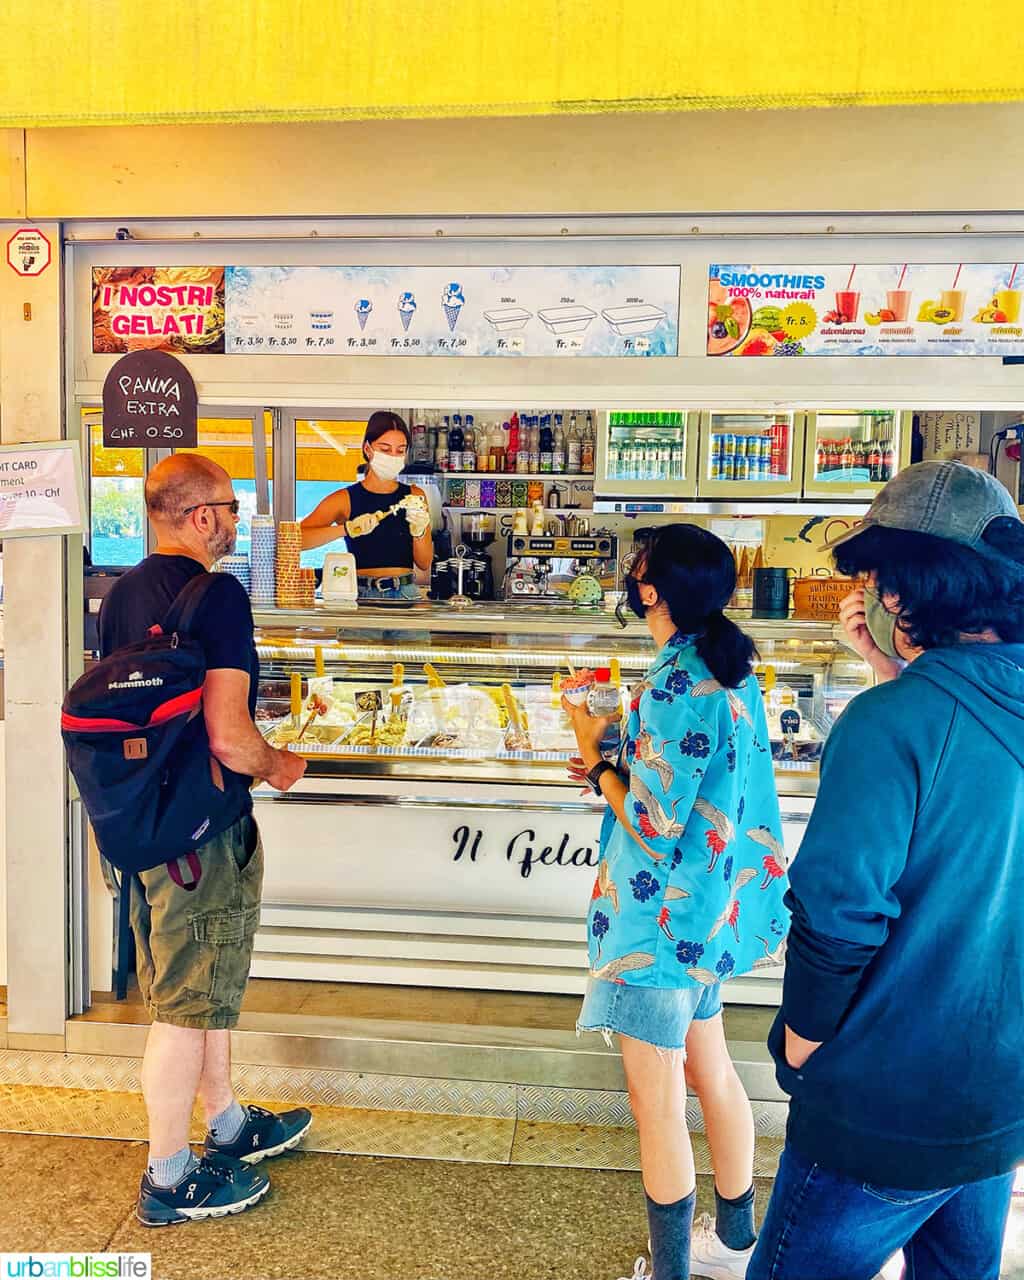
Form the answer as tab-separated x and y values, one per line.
689	890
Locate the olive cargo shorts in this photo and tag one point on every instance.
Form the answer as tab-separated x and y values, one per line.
194	945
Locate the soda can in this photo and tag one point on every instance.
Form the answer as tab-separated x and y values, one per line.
764	457
728	456
716	456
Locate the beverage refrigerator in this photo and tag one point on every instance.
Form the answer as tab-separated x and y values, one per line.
852	453
750	455
647	453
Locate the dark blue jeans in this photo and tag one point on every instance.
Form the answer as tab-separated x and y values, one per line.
824	1226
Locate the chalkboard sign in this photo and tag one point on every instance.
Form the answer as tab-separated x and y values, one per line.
149	402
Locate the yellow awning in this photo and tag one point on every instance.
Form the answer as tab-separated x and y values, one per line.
78	62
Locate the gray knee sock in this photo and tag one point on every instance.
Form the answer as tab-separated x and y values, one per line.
734	1220
226	1126
670	1226
169	1171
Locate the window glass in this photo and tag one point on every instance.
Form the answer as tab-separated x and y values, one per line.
118	508
327	457
228	441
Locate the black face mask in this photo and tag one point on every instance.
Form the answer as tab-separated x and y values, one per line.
633	600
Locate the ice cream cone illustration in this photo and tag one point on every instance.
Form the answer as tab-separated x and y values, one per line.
406	310
363	308
453	300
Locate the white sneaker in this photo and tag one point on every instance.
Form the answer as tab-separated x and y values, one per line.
640	1271
710	1258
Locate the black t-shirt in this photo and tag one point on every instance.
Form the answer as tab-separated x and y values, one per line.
223	626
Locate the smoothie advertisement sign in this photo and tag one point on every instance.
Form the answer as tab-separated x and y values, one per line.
870	309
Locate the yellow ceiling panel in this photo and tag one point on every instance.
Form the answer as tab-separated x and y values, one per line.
106	62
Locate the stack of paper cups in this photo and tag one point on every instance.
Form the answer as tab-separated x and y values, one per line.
264	550
238	567
290	593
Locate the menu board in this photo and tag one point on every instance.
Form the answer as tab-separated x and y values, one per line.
603	311
902	309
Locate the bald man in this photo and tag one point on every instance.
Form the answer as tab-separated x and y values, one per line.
194	941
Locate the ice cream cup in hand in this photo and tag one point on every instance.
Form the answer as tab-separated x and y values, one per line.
575	688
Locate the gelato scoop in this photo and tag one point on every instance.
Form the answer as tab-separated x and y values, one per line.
575	688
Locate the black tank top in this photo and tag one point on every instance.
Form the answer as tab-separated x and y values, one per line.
389	546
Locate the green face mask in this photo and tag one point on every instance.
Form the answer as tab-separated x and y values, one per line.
881	623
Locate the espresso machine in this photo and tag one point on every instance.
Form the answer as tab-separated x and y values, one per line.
577	571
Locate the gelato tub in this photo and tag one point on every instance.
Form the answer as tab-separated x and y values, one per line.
639	318
507	318
567	319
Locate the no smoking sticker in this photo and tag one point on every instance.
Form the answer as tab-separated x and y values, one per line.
29	252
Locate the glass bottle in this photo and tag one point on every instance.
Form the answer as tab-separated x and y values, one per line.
587	446
573	447
558	446
547	445
455	443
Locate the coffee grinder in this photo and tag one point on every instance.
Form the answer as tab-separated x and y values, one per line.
478	533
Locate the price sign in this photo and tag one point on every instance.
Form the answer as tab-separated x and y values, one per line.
150	402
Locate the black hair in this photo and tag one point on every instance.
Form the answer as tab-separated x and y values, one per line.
381	423
695	574
945	590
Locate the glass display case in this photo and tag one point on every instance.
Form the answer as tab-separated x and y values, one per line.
648	453
852	453
431	693
750	455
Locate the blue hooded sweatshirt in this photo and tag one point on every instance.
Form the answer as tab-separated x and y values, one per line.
906	949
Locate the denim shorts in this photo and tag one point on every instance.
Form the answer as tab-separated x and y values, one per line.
407	591
657	1015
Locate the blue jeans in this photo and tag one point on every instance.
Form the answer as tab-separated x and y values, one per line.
825	1226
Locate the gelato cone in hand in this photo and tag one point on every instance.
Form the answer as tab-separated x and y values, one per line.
417	513
453	300
359	526
363	308
406	310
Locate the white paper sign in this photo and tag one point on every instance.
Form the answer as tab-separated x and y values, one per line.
948	434
40	489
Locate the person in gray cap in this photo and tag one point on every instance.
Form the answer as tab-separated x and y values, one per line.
901	1034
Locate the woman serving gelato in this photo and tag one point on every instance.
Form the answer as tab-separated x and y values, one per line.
386	524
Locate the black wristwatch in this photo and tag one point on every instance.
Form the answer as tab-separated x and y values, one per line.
595	775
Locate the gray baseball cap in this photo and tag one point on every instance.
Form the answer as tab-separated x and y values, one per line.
946	499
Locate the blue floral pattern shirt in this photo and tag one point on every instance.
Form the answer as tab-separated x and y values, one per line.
694	893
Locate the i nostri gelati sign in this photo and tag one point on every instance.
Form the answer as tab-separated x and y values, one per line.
150	402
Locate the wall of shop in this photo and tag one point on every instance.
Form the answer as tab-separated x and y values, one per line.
12	173
856	160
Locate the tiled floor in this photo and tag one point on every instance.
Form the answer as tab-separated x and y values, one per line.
350	1218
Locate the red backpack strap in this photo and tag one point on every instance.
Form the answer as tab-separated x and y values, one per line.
191	860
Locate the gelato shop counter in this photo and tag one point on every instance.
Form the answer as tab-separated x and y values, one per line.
436	839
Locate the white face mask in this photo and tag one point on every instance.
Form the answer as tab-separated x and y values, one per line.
387	466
